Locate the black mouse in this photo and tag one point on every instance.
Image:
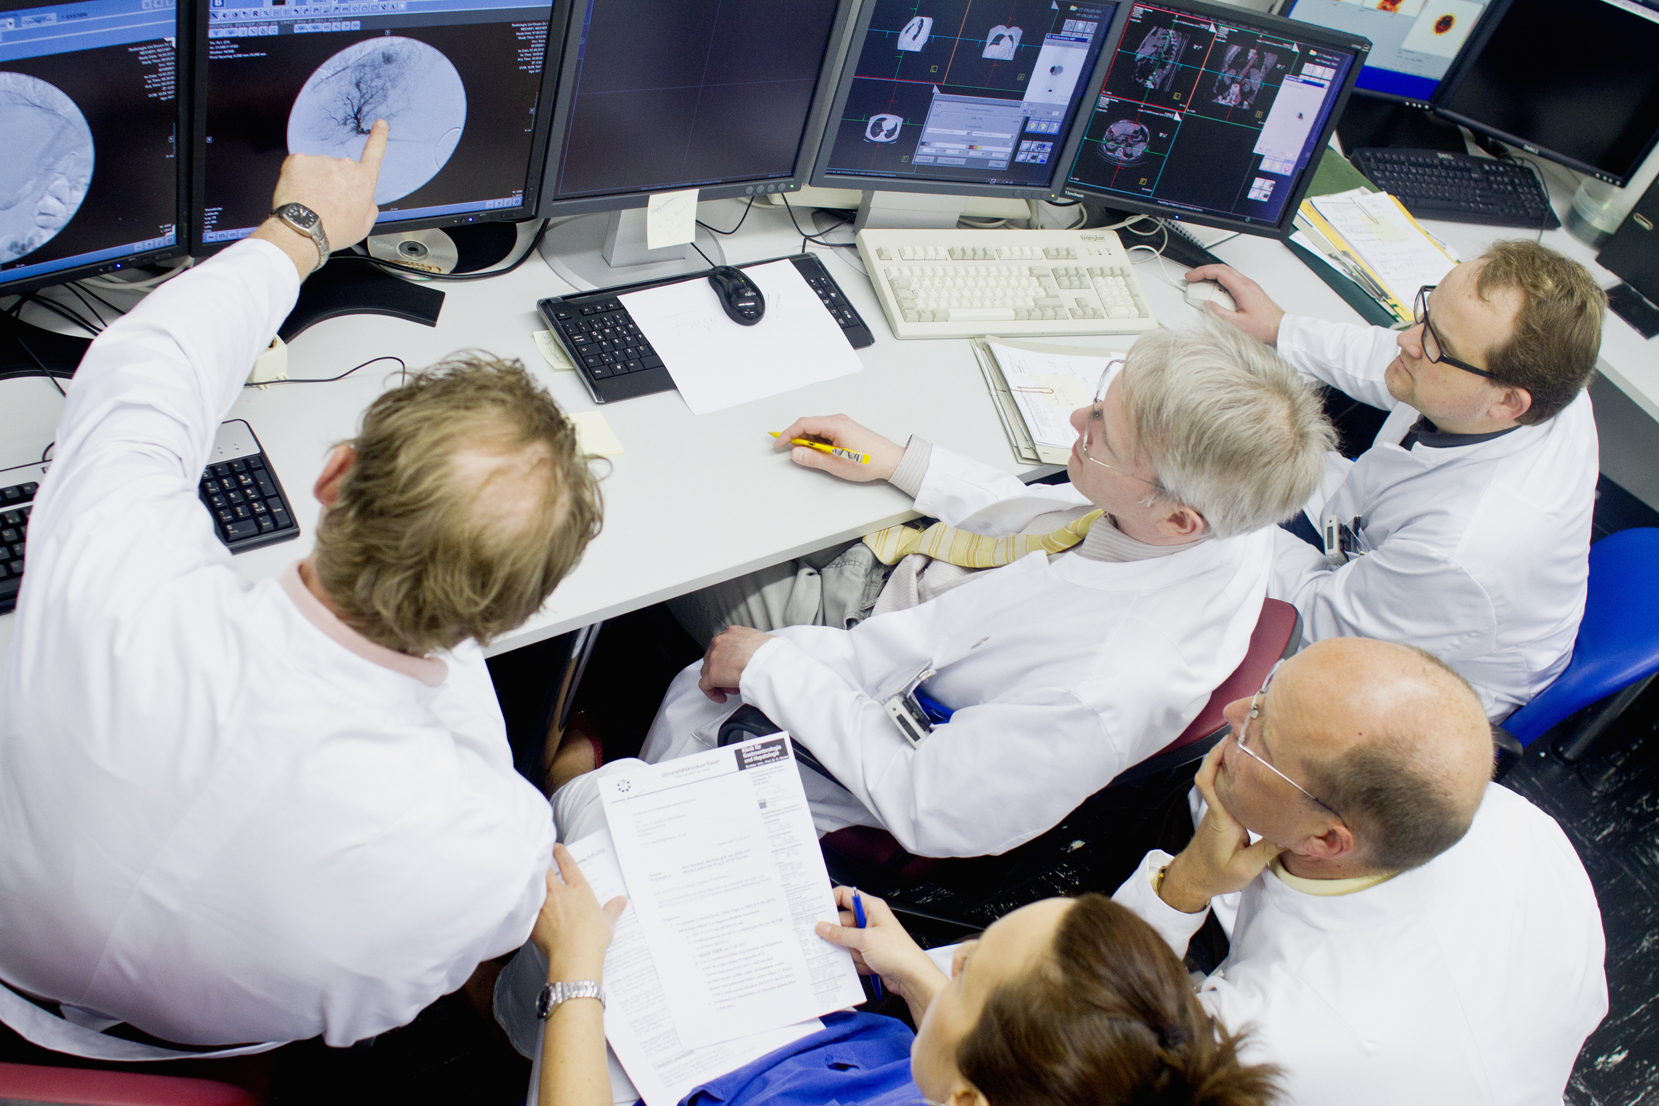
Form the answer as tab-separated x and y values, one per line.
738	295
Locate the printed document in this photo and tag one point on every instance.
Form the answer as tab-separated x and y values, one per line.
722	865
1400	254
1048	387
717	363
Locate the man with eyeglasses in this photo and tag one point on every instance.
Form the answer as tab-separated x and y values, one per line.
1408	931
1099	619
1465	528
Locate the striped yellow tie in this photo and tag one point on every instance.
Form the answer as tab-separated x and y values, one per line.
960	547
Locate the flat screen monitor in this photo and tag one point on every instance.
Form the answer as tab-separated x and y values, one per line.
1577	83
725	96
90	173
1413	42
461	84
1212	114
966	97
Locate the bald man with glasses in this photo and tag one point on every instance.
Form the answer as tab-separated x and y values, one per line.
1465	528
1407	931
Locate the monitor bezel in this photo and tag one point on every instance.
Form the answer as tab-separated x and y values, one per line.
1464	63
557	17
183	97
552	206
824	177
1420	102
1306	32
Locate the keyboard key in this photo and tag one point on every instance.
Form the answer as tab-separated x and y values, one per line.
9	588
266	526
241	531
267	486
279	514
11	495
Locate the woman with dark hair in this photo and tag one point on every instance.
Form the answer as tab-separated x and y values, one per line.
1066	1002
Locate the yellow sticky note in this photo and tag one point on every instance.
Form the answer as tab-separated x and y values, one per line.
1064	390
670	218
552	352
594	435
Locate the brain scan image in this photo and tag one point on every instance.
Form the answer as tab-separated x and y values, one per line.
1124	142
1156	58
914	35
407	83
1001	42
883	128
47	167
1242	72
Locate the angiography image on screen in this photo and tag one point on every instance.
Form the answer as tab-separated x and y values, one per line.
404	81
965	90
45	175
1202	115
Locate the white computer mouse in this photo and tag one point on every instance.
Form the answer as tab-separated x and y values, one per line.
1200	292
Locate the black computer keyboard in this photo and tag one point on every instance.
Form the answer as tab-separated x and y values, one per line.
613	359
1459	188
239	488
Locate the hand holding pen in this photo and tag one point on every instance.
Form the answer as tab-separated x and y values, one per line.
841	447
881	947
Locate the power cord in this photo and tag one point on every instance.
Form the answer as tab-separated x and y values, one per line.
716	230
403	374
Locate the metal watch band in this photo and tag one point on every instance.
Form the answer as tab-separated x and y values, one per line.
302	220
552	994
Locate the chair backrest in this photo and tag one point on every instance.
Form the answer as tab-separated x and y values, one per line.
35	1083
1618	640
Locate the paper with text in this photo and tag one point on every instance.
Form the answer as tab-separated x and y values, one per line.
1398	252
722	863
717	363
670	218
1048	387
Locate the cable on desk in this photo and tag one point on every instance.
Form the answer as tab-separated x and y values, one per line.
403	374
81	284
705	256
716	230
56	308
77	293
394	267
846	217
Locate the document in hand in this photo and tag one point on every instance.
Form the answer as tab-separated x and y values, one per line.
717	364
723	870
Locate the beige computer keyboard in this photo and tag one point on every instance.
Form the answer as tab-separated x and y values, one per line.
964	283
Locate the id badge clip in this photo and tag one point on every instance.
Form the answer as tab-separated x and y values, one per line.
1342	540
910	709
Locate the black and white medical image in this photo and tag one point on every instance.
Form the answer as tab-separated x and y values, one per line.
48	164
1001	42
1158	58
915	33
404	81
1161	58
1125	147
883	128
1242	71
1124	143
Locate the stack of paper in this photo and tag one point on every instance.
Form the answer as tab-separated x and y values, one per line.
1371	239
1036	388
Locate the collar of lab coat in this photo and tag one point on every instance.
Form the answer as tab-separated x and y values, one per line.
430	671
1427	455
1176	569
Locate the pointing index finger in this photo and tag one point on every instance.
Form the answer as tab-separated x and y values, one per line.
375	148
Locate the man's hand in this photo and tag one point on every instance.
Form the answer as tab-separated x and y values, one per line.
338	189
1219	859
573	930
1257	315
728	655
839	430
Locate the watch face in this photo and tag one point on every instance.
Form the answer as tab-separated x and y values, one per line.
304	216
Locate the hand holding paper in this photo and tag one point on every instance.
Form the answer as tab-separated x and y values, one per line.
573	930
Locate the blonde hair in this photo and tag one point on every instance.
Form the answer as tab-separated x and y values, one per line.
467	503
1557	330
1229	427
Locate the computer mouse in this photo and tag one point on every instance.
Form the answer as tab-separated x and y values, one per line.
1200	292
738	295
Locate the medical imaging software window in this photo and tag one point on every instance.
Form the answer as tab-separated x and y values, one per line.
456	81
689	93
1413	42
1201	115
88	111
967	90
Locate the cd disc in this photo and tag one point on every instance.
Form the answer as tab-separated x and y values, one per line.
432	250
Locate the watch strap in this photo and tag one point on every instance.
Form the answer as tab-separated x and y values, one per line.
552	994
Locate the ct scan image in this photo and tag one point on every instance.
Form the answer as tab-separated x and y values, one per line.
410	84
48	166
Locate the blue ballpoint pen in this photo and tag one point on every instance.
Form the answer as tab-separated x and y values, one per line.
858	916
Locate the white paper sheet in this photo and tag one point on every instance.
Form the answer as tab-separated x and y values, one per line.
1048	387
717	363
637	1024
723	864
670	218
1392	245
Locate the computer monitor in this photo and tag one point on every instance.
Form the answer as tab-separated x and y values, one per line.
1413	42
462	84
1578	84
1212	114
959	98
90	108
727	98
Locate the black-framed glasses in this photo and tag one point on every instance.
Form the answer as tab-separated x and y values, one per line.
1433	348
1243	736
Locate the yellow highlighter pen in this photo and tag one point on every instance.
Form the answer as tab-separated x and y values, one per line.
861	458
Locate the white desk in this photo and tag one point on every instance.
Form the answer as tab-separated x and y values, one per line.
693	501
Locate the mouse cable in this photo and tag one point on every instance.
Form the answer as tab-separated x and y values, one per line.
394	267
819	236
705	256
716	230
403	374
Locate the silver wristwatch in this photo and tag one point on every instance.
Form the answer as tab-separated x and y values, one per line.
554	993
300	218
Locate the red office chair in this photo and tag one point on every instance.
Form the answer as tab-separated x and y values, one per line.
35	1083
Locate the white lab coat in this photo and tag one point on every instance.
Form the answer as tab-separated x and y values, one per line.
223	821
1473	979
1478	553
1062	673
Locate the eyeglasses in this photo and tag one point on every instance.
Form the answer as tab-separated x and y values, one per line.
1244	734
1097	414
1433	347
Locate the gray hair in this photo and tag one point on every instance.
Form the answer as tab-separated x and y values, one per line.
1231	430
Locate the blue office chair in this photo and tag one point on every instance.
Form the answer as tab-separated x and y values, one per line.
1615	656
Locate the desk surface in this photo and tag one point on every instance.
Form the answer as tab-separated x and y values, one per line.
695	500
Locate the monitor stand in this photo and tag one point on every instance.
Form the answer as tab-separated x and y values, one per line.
29	350
909	211
604	251
354	286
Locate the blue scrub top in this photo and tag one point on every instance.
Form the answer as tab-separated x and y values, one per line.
856	1060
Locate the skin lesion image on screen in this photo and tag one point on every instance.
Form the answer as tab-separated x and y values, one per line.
48	166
